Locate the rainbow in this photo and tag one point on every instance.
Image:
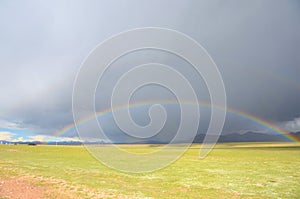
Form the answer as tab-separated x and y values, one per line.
244	115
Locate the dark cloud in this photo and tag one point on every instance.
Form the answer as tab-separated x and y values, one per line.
254	43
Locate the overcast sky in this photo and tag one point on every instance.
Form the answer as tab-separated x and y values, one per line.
255	45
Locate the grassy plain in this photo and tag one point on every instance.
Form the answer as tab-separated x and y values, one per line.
233	170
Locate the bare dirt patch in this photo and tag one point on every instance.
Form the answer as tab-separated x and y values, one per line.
29	187
19	187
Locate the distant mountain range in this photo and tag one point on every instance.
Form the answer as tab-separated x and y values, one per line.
231	137
39	142
249	137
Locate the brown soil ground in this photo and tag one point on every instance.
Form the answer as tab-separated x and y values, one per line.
27	187
20	188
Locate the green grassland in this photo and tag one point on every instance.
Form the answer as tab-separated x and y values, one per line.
233	170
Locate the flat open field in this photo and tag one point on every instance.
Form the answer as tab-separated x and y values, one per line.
236	170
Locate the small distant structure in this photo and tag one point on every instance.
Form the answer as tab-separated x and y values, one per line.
32	144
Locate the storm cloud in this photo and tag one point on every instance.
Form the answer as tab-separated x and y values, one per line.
255	45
